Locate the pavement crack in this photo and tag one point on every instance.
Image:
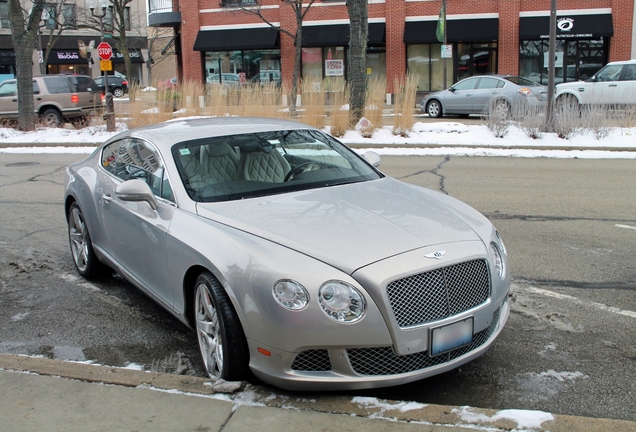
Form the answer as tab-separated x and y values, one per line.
435	172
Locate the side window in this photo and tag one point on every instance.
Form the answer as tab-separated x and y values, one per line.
136	159
468	84
36	87
57	84
109	157
9	89
630	72
488	83
609	73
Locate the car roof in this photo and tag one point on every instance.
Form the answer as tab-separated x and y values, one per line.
165	135
632	61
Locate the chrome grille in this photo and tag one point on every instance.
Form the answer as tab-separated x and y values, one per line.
384	361
316	360
439	293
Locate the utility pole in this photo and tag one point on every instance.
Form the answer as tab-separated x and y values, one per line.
549	115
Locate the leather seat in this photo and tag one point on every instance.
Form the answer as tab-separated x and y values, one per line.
265	166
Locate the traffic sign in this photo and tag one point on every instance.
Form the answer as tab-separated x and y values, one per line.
105	65
104	51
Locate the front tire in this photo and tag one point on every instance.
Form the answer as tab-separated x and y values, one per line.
434	109
84	257
221	338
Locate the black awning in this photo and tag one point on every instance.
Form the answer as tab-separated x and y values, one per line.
7	57
568	27
462	30
237	39
135	56
338	35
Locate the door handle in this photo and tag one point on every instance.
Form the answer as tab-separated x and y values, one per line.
613	85
107	198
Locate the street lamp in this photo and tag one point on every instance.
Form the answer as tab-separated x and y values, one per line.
110	107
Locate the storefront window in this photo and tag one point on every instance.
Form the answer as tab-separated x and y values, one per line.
574	60
425	61
233	68
376	64
476	59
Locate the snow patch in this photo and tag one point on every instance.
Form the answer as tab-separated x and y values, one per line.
525	419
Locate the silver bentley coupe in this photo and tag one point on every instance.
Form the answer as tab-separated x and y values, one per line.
291	256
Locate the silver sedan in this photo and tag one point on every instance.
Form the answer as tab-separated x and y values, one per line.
487	94
291	256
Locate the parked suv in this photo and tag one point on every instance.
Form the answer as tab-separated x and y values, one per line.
614	84
56	98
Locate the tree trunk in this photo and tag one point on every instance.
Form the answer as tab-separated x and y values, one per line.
298	50
357	67
24	32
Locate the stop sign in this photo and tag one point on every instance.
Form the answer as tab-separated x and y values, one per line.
104	51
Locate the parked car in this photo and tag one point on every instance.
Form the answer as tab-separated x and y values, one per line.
585	71
614	84
56	98
484	94
169	84
116	85
288	253
226	79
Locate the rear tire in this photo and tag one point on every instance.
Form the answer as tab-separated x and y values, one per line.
52	118
500	109
221	338
434	109
118	92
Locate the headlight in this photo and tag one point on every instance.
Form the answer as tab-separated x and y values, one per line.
500	267
341	302
291	295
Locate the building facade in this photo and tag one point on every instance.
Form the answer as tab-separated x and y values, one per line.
74	51
223	42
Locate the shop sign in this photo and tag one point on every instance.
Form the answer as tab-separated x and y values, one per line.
67	55
334	67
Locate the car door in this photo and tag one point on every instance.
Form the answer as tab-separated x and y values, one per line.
606	87
628	84
134	234
458	99
488	88
9	99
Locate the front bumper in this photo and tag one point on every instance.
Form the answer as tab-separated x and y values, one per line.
344	368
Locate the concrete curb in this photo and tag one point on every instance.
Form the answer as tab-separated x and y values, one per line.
433	415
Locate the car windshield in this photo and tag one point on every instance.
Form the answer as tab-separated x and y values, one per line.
522	81
266	163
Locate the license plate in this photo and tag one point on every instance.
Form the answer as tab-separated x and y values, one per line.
451	336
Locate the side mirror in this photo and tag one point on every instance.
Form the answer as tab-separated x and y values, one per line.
136	190
452	89
373	158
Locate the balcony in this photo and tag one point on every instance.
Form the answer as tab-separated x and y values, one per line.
161	13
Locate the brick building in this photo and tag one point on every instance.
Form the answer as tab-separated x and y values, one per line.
219	42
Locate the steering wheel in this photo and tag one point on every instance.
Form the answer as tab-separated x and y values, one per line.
303	167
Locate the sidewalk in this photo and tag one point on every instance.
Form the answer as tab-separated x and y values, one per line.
53	395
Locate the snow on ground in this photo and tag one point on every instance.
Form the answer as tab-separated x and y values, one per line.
425	139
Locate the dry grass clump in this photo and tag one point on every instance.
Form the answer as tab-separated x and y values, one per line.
313	104
405	94
530	119
376	90
339	110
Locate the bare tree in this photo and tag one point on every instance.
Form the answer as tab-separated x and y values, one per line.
24	28
57	16
300	11
357	68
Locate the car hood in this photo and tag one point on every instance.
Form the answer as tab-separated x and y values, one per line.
350	226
